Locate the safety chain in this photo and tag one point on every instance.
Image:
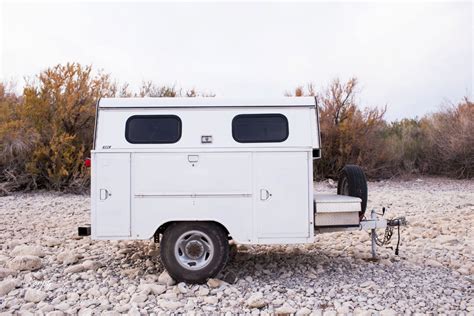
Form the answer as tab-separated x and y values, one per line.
391	223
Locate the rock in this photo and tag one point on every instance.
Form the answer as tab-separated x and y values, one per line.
285	309
169	295
386	262
156	289
94	291
110	313
214	283
91	265
72	297
136	256
447	240
331	183
34	296
6	286
74	269
26	250
433	263
190	305
4	272
131	272
122	308
21	263
361	312
303	311
213	300
202	291
344	309
165	278
388	312
51	242
153	253
256	300
67	257
278	302
85	312
464	271
169	304
3	259
44	307
55	313
138	298
134	311
182	288
367	284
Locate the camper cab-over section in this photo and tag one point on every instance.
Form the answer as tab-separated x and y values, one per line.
199	171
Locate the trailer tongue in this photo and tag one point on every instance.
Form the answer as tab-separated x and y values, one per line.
335	213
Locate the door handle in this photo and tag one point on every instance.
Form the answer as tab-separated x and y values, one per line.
104	194
264	194
193	158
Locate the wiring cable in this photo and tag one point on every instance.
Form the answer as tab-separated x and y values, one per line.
387	237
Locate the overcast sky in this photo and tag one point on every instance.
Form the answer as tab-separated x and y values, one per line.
412	57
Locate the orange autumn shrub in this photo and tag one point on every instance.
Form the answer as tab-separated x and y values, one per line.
47	132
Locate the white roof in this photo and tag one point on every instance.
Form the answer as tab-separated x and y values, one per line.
206	102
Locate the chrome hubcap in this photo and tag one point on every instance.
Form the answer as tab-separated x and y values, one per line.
194	250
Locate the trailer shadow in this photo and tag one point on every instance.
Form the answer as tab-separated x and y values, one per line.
294	263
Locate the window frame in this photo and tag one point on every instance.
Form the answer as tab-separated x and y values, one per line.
260	115
180	128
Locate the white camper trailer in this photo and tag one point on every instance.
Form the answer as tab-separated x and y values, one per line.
194	173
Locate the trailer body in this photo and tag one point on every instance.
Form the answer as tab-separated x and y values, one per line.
213	169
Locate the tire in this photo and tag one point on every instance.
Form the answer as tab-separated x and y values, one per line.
193	252
352	182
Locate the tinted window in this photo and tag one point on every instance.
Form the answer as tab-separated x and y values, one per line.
260	128
153	129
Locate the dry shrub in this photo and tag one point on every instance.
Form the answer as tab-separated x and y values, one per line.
406	138
349	135
437	144
46	133
150	89
450	141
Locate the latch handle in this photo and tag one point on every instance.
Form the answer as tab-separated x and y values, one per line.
264	194
193	158
104	194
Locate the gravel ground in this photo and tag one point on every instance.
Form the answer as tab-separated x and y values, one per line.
46	269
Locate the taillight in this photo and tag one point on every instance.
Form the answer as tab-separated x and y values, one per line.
87	162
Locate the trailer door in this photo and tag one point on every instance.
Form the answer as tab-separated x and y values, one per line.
112	195
281	194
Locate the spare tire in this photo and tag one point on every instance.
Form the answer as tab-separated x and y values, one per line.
352	182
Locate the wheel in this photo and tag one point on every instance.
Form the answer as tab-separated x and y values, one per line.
352	182
192	252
